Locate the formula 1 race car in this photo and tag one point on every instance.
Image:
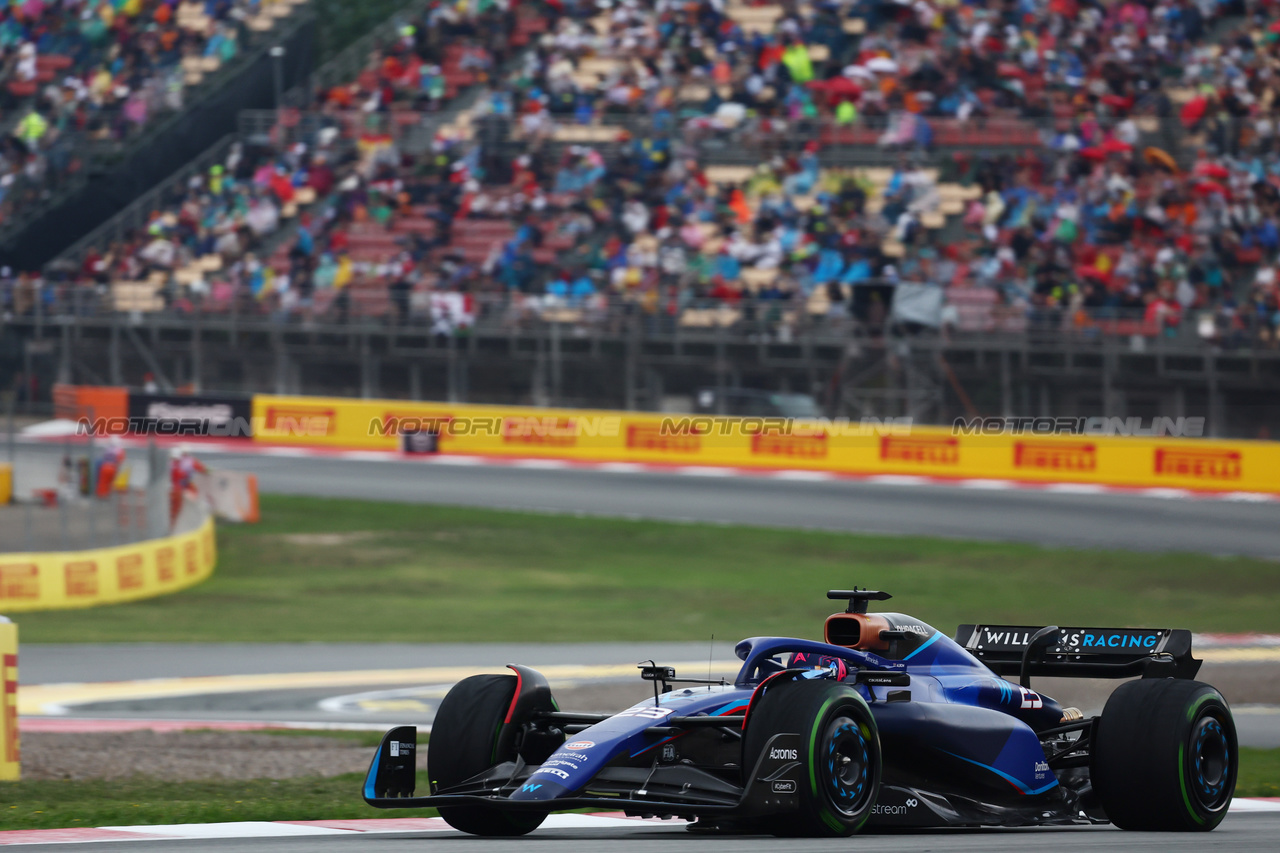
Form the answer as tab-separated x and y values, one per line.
888	723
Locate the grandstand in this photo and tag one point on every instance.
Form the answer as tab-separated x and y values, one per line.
1086	183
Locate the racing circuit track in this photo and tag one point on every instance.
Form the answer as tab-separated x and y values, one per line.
1055	518
1050	518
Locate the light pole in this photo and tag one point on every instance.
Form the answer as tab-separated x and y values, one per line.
277	75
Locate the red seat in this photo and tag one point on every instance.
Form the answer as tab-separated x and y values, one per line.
23	88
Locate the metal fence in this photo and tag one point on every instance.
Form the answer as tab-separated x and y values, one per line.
786	316
56	507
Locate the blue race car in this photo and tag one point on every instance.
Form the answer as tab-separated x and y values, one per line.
888	723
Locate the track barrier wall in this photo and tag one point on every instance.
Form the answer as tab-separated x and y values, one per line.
9	766
770	443
73	579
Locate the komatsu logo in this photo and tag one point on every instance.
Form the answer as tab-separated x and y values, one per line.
783	753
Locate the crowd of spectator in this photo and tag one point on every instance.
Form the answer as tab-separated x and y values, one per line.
82	72
1114	225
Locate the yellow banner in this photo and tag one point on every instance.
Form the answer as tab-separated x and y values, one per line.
772	443
50	581
9	754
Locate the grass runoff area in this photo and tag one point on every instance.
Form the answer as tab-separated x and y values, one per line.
337	570
333	570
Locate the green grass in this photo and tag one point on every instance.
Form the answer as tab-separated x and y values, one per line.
47	804
335	570
37	805
1259	773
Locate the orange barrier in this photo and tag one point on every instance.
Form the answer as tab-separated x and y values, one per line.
77	402
842	447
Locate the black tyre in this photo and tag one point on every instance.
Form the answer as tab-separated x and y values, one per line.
464	742
1164	757
839	755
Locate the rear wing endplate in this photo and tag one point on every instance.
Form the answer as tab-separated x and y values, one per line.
1082	652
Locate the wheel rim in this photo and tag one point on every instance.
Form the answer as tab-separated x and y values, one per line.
1210	763
846	763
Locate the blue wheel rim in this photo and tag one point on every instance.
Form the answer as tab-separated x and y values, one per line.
846	762
1211	759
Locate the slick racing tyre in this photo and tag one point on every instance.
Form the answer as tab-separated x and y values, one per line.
1164	757
464	742
839	755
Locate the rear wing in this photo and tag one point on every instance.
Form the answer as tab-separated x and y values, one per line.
1081	652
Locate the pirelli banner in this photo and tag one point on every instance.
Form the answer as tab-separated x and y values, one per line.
834	445
51	581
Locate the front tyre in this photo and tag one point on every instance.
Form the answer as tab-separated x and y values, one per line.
1165	756
839	755
465	742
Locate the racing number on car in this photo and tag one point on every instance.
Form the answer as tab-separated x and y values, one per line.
1031	700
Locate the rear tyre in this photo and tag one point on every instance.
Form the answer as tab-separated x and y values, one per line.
839	755
1164	757
464	742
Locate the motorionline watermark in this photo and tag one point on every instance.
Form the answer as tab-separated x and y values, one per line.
207	424
611	426
1157	427
707	425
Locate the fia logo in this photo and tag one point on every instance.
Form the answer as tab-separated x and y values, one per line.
668	752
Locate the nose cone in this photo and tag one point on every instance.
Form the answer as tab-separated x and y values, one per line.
538	788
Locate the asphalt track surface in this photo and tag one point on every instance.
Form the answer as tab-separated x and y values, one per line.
1051	519
1242	832
1048	518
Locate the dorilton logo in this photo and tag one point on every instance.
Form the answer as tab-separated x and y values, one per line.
795	446
1200	464
920	450
653	437
1055	457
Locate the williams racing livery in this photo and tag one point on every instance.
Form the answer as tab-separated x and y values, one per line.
887	723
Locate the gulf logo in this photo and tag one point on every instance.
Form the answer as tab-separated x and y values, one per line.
579	745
